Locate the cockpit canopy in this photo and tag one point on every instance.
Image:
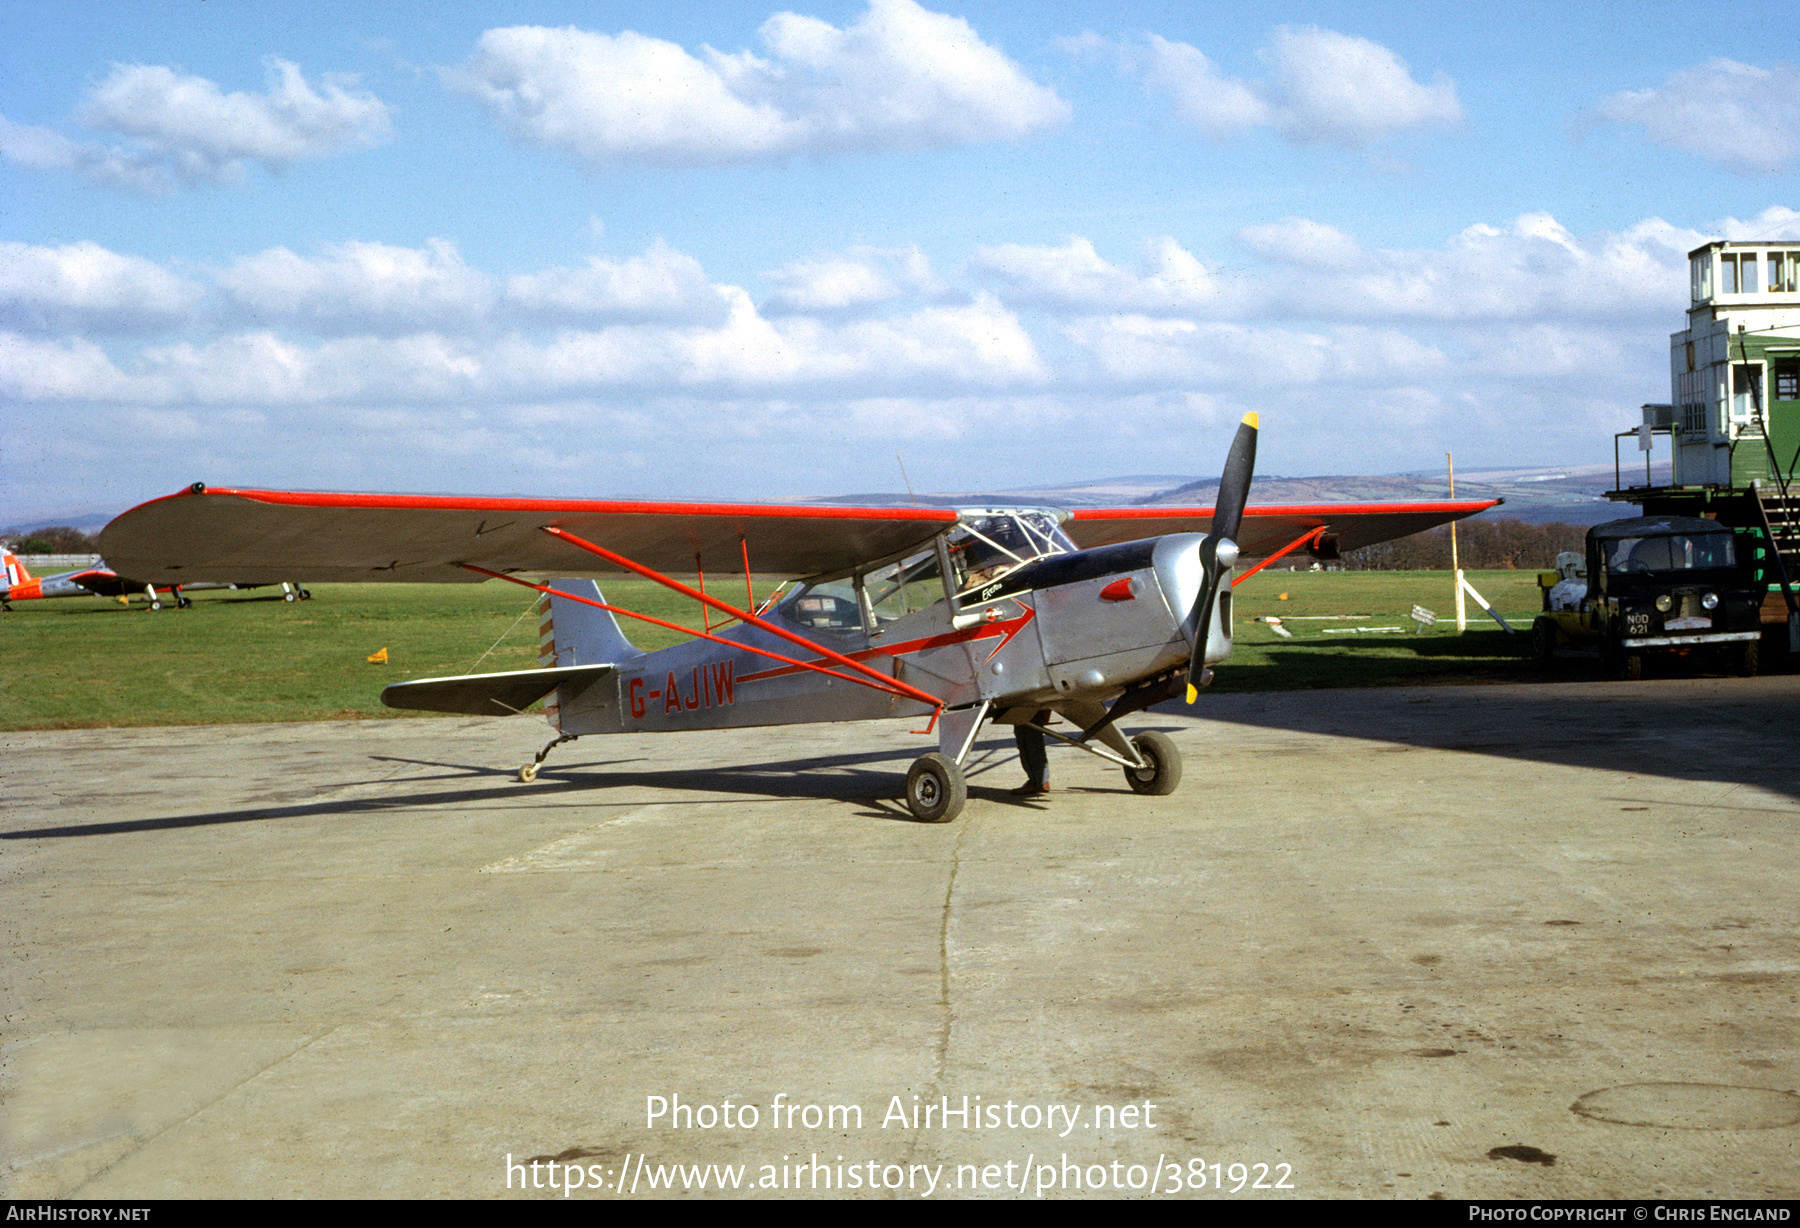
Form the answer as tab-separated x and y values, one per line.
983	547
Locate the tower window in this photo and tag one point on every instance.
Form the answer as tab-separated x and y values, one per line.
1787	379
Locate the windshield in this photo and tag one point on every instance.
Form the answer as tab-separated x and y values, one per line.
1669	552
987	547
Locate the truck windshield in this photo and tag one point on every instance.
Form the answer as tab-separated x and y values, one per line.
1669	552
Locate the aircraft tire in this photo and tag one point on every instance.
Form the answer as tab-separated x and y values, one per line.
1163	776
935	789
528	773
156	605
290	597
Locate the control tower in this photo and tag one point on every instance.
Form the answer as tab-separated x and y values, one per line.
1733	418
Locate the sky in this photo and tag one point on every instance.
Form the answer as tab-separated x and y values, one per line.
736	252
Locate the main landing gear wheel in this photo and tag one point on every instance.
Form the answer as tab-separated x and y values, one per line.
935	789
1164	773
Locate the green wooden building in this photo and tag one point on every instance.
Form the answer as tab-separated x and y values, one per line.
1733	418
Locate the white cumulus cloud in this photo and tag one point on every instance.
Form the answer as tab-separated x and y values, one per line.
181	128
361	285
1324	87
661	284
1168	277
900	77
860	277
1735	115
86	287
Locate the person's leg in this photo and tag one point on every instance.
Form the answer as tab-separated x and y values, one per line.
1032	757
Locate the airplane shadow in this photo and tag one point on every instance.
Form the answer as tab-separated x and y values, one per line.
1706	730
852	777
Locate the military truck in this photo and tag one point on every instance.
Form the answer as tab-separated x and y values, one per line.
1668	585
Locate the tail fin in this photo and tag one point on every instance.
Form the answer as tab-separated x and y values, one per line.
16	572
573	633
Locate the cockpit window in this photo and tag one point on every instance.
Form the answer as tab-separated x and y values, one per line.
900	588
825	607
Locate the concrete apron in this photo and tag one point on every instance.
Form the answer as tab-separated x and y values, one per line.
1477	942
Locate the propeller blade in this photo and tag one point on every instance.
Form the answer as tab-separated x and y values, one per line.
1234	483
1218	553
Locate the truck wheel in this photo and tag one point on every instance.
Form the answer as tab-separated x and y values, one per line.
1543	640
1751	660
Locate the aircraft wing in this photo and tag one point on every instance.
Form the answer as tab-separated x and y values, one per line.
1267	529
265	537
101	581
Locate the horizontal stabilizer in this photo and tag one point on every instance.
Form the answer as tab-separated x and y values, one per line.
487	694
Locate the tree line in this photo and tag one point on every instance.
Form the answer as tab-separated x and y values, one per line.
59	539
1483	544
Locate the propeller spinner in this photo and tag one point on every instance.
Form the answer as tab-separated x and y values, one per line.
1219	552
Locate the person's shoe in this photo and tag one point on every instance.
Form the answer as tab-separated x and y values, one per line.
1028	789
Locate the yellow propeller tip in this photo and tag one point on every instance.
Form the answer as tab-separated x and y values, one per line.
1192	694
1250	420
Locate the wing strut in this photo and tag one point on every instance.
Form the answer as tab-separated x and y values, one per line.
1311	535
892	683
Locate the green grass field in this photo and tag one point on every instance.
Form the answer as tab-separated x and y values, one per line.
80	662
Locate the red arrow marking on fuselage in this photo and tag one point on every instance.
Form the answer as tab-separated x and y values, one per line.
1006	629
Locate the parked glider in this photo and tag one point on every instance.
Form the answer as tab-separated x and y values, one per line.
965	616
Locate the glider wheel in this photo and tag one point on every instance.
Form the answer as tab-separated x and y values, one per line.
1164	773
935	789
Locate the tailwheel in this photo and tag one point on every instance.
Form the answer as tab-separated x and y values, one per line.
529	772
935	789
1163	773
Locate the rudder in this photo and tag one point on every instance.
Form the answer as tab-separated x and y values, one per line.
575	633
